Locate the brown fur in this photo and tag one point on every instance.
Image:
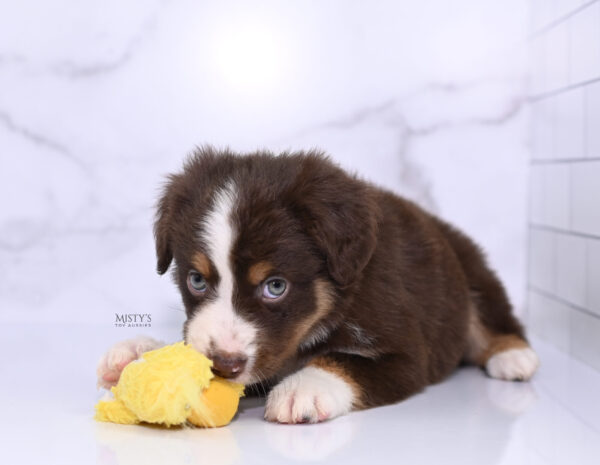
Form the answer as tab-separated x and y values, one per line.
408	297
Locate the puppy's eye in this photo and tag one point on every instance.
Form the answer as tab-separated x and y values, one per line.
274	288
196	283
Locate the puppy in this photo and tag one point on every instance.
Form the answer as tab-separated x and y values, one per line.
338	294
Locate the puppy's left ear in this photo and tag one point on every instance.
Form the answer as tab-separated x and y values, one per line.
342	217
164	224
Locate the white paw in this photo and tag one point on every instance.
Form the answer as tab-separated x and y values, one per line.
513	364
119	356
309	396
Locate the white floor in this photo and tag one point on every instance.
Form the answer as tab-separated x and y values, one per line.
48	394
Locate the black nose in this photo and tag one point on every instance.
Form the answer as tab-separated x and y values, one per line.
228	365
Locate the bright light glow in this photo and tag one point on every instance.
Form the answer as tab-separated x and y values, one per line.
250	57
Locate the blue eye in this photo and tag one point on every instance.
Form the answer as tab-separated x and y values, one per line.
274	288
196	283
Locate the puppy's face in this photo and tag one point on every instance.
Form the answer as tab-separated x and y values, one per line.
251	284
258	258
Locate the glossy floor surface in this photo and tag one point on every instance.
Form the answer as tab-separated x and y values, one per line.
47	394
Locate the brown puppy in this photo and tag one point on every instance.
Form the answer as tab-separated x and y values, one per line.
339	294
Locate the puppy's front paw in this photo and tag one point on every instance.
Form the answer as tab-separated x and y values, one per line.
309	396
119	356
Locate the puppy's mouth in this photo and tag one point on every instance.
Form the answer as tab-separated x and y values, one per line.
231	376
245	377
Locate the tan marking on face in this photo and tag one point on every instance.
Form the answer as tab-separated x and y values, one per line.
201	264
324	303
324	296
258	272
337	369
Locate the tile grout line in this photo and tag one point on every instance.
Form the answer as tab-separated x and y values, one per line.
552	24
562	90
551	296
565	232
557	161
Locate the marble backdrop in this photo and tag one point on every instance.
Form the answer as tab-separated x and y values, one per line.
99	100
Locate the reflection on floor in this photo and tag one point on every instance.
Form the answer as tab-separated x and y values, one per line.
48	395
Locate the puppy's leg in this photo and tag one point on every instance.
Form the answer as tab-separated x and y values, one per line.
506	356
496	340
118	356
335	384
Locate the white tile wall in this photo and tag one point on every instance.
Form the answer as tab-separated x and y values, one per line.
542	260
556	195
543	127
592	120
537	59
550	193
584	49
585	201
536	194
564	207
571	268
556	57
545	12
585	340
550	318
593	276
568	127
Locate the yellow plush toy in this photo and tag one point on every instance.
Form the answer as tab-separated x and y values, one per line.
173	385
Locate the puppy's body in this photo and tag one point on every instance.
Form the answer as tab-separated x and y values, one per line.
379	297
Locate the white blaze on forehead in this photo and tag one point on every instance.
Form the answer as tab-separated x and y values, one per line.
218	236
216	322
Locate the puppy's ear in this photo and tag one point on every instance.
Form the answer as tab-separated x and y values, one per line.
341	215
203	170
163	226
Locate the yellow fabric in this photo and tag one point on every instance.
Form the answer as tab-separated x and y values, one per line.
171	386
115	411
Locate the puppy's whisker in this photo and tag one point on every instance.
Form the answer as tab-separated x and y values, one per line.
176	308
261	383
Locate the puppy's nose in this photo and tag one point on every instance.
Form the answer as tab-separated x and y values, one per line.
227	364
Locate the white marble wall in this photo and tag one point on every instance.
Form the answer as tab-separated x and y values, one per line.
98	101
564	214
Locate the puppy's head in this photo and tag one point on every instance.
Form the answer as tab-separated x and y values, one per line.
263	246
